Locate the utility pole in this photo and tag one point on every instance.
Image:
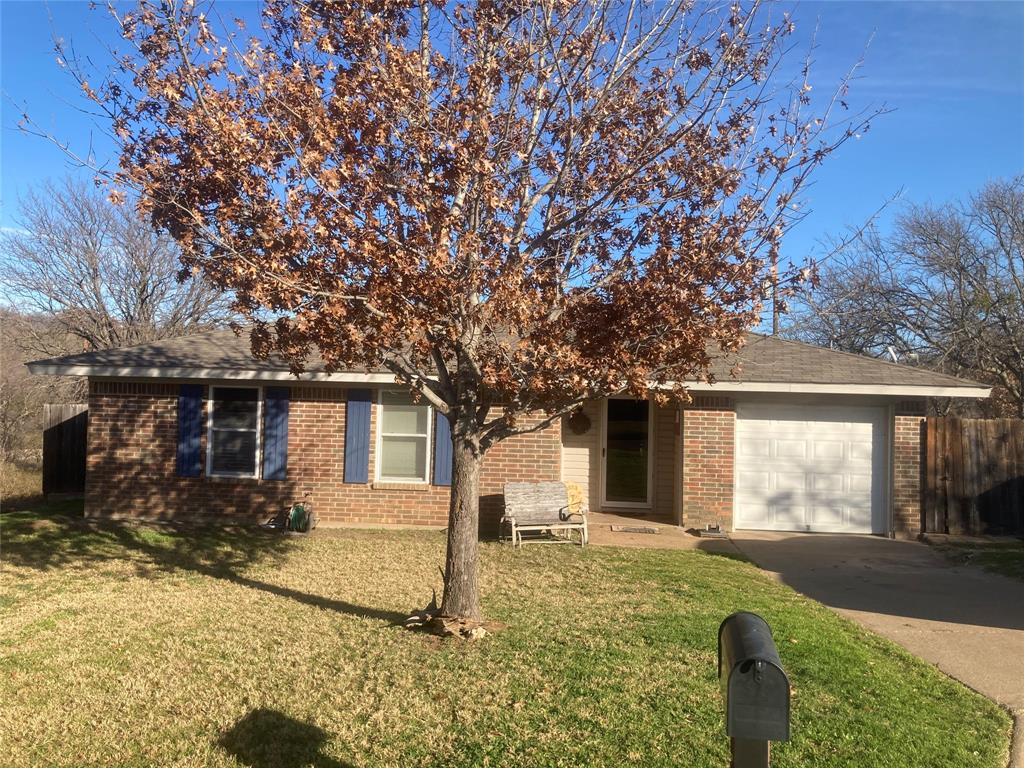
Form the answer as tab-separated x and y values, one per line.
775	292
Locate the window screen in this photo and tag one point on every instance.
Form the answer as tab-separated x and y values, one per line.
234	431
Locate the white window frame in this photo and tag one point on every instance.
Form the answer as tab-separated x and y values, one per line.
209	432
379	448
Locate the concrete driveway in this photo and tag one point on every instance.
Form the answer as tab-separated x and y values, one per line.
966	621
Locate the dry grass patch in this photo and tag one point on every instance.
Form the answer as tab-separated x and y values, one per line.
20	485
140	646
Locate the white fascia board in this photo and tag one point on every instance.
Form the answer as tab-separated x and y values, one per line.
890	390
355	377
228	374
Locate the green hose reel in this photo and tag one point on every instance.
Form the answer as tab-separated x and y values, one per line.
298	518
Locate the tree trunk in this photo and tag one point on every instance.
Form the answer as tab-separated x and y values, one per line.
461	588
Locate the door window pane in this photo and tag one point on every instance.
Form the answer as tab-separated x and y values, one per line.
627	451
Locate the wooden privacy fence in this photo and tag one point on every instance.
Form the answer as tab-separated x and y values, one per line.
65	428
973	476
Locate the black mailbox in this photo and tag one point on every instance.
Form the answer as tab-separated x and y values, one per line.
754	685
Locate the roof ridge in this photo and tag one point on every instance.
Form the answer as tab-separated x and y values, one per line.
858	356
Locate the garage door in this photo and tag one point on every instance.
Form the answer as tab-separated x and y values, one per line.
813	468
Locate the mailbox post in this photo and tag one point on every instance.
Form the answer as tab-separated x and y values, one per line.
755	689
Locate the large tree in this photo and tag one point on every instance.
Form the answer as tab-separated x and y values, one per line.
512	206
943	288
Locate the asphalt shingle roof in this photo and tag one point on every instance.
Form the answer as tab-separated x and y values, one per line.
763	359
771	359
218	349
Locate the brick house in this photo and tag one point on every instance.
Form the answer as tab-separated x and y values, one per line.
803	438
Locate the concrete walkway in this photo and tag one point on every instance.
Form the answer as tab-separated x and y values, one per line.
609	529
966	621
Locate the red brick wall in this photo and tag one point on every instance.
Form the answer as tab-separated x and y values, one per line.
906	486
133	443
709	430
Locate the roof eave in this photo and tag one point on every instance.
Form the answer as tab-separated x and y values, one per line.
889	390
49	368
139	372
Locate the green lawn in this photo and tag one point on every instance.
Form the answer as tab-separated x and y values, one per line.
1005	558
135	646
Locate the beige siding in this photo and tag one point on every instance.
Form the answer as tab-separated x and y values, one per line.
581	455
664	460
581	458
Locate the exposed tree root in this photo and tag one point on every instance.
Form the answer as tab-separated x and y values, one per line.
431	621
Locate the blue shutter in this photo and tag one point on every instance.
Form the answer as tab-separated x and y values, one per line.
275	432
357	436
442	450
190	429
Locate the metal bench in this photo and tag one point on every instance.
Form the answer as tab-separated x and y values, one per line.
544	508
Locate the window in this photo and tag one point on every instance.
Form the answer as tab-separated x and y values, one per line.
403	448
234	437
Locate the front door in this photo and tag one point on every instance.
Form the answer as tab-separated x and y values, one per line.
627	454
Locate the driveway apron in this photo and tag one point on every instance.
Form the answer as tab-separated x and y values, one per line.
966	621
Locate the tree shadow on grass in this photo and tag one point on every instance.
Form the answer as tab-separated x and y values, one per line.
718	547
217	552
46	541
266	738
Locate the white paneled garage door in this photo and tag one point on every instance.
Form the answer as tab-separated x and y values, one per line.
813	468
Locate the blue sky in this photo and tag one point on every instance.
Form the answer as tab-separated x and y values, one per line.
953	72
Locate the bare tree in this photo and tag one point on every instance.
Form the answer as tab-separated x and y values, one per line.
22	395
944	289
101	273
